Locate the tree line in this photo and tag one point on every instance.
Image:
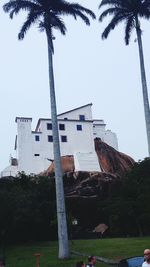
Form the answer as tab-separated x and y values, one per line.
28	208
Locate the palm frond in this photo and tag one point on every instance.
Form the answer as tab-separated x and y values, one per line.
128	29
108	11
15	11
50	10
65	7
113	23
83	9
82	16
10	5
54	21
15	6
76	13
31	19
59	25
75	10
109	2
144	13
146	3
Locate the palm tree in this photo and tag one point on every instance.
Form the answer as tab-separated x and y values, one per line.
47	15
130	11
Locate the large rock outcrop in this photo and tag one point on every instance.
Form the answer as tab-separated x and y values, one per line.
90	185
111	161
67	163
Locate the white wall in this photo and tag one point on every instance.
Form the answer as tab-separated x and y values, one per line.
34	156
24	144
76	140
9	171
74	114
110	138
106	136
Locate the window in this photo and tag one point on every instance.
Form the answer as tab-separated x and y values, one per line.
63	138
65	119
36	155
82	117
50	138
79	127
61	126
37	138
49	126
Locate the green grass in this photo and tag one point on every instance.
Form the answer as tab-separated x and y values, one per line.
114	249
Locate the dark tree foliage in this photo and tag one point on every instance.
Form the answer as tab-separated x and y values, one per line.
135	194
122	205
129	212
27	208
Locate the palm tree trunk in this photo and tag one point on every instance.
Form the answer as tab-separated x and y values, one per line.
144	83
61	212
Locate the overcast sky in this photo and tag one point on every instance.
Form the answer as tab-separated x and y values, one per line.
87	70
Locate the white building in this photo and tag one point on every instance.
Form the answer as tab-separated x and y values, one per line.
77	131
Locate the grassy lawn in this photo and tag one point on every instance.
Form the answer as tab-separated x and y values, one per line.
114	248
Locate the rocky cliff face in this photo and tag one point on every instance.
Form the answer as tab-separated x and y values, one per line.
111	161
67	163
92	184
